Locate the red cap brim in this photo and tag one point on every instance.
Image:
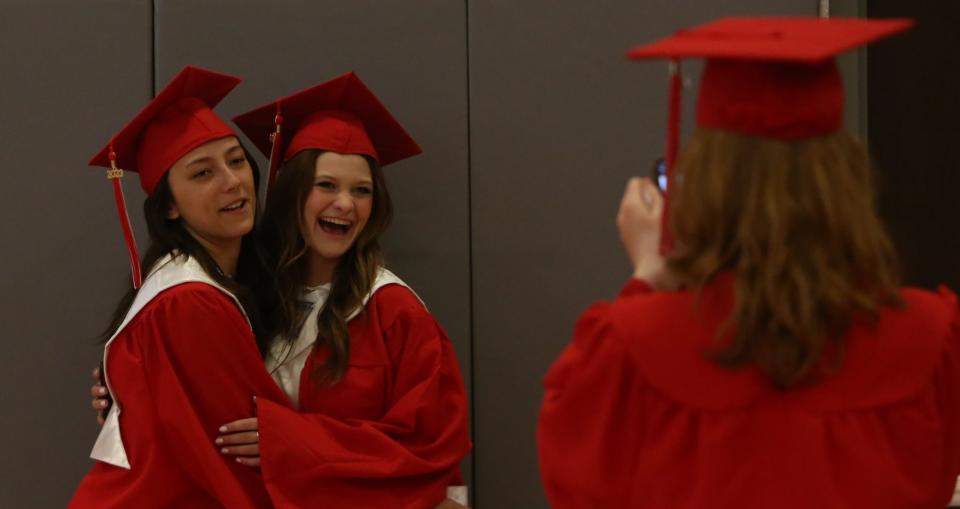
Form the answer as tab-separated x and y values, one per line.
790	39
347	94
204	86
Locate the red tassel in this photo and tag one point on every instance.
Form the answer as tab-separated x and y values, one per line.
275	155
673	142
114	175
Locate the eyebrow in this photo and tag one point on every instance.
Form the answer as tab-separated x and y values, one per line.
331	177
202	159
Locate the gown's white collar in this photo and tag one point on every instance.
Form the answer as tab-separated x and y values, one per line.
285	360
169	271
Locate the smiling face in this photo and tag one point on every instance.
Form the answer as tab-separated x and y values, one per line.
337	208
213	193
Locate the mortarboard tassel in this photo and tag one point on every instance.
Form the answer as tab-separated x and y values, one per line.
274	163
114	175
674	102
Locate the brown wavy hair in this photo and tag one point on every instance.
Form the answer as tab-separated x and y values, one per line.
283	235
796	223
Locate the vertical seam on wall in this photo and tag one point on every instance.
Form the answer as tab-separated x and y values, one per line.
473	350
153	53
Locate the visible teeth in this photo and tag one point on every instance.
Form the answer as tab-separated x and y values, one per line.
333	220
234	206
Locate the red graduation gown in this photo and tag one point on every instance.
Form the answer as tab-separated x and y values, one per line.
635	416
185	365
390	434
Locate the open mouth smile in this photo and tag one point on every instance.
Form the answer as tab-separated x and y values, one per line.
235	206
335	225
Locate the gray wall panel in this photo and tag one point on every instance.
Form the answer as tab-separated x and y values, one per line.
853	66
412	54
559	120
74	72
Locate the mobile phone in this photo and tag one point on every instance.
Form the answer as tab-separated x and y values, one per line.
658	173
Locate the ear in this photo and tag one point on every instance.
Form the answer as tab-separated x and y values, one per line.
173	212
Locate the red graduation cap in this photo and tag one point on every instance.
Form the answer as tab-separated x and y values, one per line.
340	115
772	77
176	121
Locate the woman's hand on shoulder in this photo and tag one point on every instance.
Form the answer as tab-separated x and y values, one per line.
241	438
639	222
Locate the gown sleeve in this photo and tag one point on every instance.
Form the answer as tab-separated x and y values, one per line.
201	369
404	459
591	419
947	380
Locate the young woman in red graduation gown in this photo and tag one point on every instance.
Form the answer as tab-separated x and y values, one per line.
381	410
181	357
770	360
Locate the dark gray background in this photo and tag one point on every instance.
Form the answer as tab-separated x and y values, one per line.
531	119
72	73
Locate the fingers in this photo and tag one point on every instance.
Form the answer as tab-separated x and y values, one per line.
241	439
241	450
98	391
640	196
246	437
249	424
642	204
98	406
630	193
639	219
250	462
648	193
245	445
248	454
251	459
652	197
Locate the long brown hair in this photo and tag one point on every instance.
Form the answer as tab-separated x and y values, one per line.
286	251
170	235
797	224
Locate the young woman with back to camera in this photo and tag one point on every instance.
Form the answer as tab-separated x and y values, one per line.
770	358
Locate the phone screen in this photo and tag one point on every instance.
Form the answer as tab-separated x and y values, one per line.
659	173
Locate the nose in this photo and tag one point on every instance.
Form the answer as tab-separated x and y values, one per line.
343	202
231	178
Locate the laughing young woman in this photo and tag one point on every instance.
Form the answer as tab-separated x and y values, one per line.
382	416
181	356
